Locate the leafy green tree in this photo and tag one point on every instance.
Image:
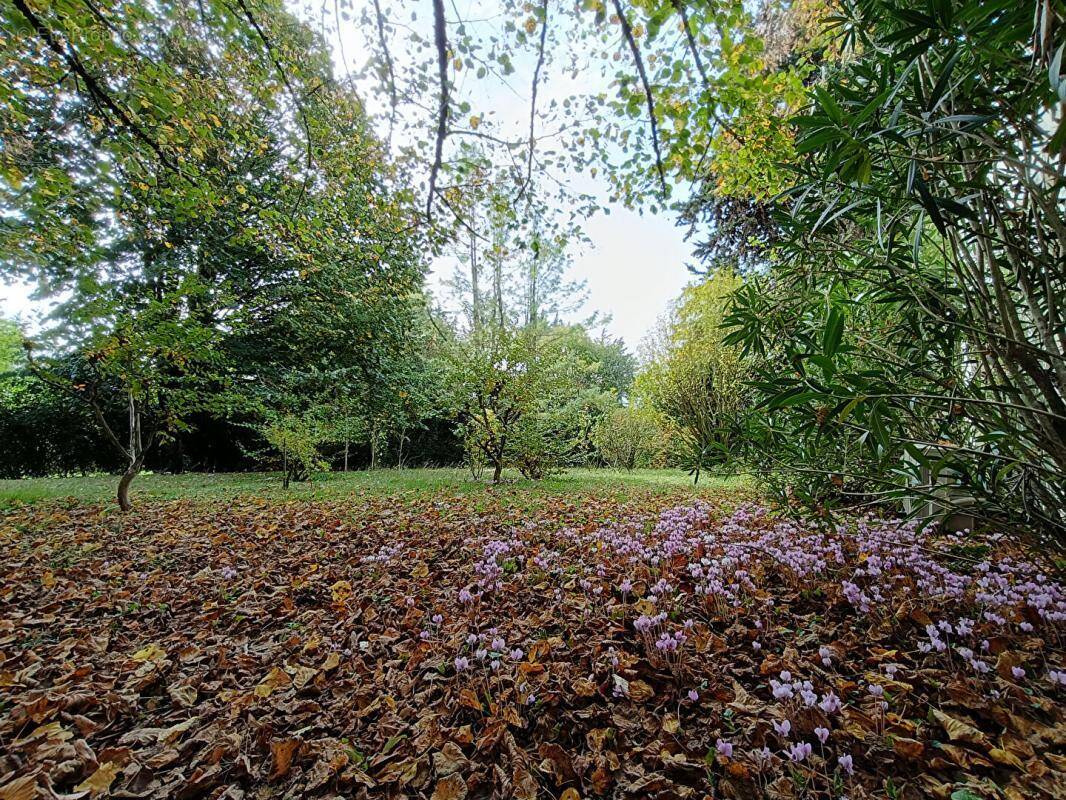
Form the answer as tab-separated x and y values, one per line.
632	437
913	316
214	184
513	393
10	346
695	379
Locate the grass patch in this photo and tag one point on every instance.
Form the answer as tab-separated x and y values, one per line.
340	485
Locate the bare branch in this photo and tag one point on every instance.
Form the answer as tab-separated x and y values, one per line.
388	65
533	103
87	395
440	38
627	30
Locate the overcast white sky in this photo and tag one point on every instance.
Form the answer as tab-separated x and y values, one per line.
634	264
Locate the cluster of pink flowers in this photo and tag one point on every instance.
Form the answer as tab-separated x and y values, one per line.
717	570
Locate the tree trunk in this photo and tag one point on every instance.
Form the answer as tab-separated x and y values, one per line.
124	482
497	290
497	471
374	447
135	453
475	289
345	453
285	469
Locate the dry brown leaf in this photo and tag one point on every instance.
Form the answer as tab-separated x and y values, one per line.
184	696
908	748
640	691
332	661
958	730
282	753
525	786
451	787
1006	758
24	788
277	678
449	760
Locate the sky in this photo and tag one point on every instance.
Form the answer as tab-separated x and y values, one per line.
634	265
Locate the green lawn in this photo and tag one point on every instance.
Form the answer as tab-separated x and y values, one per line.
336	485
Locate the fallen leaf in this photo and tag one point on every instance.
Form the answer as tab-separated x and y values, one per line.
282	752
451	787
151	652
958	730
277	678
100	781
907	748
24	788
640	691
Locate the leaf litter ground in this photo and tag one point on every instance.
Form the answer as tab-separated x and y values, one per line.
474	646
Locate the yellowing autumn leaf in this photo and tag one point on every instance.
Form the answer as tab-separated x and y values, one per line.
151	652
277	678
101	780
341	591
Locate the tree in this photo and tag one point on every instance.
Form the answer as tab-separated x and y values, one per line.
10	346
513	394
695	379
211	179
913	314
628	437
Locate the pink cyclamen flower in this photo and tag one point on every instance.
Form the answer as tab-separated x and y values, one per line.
799	751
724	748
782	691
756	646
821	733
877	690
782	728
1017	672
830	703
461	663
516	654
693	695
1057	677
847	764
438	619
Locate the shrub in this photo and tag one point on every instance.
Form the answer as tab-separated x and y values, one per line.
632	437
